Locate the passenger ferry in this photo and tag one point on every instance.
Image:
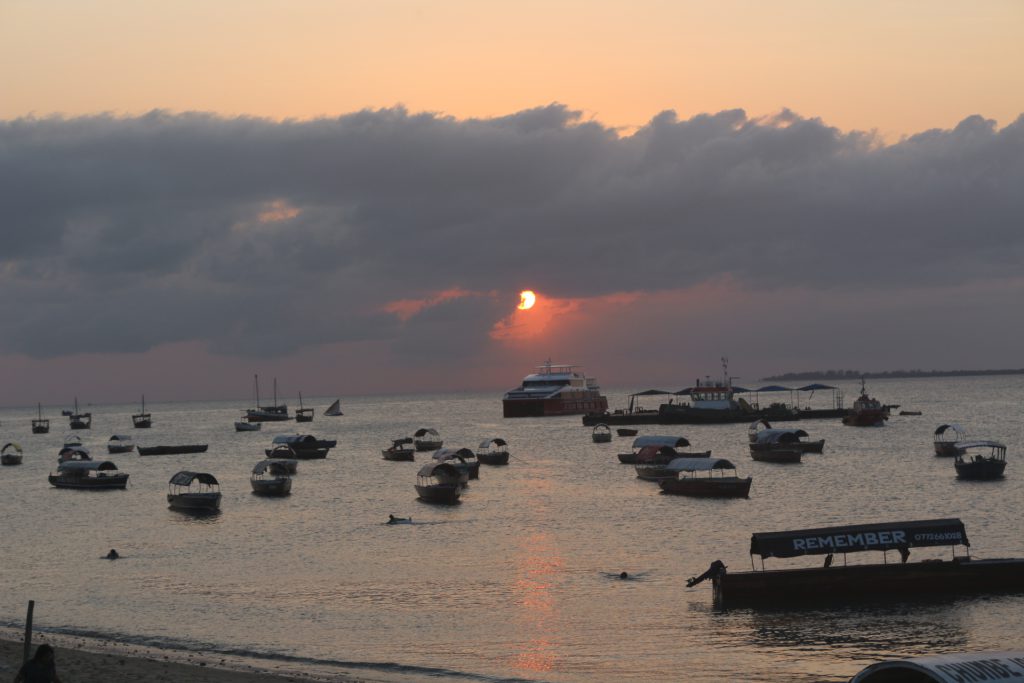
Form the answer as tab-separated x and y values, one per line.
556	389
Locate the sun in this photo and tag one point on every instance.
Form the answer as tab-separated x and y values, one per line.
526	300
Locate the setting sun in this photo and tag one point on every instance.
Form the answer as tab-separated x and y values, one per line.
526	300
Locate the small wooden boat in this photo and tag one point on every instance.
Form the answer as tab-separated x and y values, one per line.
119	443
70	451
303	414
303	446
674	442
947	439
980	460
194	492
11	454
173	450
246	426
626	431
761	432
427	439
601	433
691	482
652	463
142	419
40	425
464	460
778	454
493	452
867	411
270	478
334	409
88	474
439	482
77	420
401	450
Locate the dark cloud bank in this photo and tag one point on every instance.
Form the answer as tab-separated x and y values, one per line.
261	237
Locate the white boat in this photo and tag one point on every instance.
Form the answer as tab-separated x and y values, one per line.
246	426
334	409
194	491
556	389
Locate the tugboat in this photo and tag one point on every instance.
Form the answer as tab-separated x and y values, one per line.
556	389
867	411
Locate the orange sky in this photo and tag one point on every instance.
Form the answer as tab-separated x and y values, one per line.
896	66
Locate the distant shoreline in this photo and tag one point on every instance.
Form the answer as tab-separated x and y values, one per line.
889	374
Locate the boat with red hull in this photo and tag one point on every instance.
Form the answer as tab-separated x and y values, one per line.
867	411
556	389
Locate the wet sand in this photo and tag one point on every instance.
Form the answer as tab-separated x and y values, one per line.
87	666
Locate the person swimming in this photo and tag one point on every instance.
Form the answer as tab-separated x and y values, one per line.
624	575
399	520
112	555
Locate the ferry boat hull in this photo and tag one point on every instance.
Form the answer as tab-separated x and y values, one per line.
553	391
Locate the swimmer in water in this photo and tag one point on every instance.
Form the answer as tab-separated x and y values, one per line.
399	520
623	575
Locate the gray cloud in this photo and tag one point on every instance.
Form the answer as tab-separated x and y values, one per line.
131	232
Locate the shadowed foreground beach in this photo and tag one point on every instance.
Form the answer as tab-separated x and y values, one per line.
82	666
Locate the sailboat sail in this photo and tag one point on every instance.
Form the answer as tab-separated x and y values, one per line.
334	409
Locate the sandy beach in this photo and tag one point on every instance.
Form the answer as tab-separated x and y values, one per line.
109	663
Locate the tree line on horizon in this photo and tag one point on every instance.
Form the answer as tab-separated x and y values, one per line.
887	374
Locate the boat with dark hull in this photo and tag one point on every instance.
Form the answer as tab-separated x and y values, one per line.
270	478
689	479
762	435
142	419
197	492
88	474
601	433
302	446
11	454
78	420
400	450
427	439
463	459
120	443
980	460
303	414
652	463
555	389
493	452
785	587
866	411
947	438
172	450
40	424
439	482
673	442
271	413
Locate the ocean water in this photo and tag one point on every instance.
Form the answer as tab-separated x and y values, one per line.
518	582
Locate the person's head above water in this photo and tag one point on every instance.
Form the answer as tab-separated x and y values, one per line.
112	555
623	575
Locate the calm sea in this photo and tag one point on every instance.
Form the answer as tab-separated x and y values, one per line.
520	580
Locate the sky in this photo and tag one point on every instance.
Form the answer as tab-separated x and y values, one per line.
350	196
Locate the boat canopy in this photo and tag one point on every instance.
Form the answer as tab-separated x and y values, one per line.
859	537
773	387
949	668
700	464
186	478
442	471
12	446
779	436
86	465
497	441
653	392
964	445
602	427
654	454
72	440
278	467
453	454
957	429
120	437
295	439
670	441
423	431
815	387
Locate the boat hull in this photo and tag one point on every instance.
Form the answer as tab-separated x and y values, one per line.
142	421
301	453
494	459
172	450
783	456
946	449
781	587
248	426
279	486
869	418
423	446
38	426
553	407
632	458
115	481
195	502
398	456
120	449
10	459
443	494
698	487
980	470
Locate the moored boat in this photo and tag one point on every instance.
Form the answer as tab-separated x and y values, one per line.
947	439
463	459
77	420
601	433
172	450
244	425
763	435
271	413
142	419
783	587
689	479
194	492
493	452
303	414
40	424
120	443
303	446
11	454
270	478
73	451
652	463
439	482
776	454
980	460
88	474
401	450
674	442
627	431
427	439
556	389
866	411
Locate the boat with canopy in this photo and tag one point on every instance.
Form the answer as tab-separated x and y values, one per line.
439	482
427	439
947	438
980	460
493	452
142	419
705	478
88	474
11	454
271	478
194	492
674	442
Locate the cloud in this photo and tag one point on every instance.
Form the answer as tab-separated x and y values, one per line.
263	237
